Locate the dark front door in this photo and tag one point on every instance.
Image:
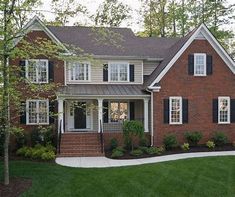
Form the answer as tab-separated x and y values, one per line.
80	116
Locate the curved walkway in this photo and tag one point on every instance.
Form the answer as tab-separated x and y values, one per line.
103	162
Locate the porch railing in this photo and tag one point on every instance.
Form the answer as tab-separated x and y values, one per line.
59	136
101	137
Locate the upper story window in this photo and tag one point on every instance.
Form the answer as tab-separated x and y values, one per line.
79	71
199	64
37	112
118	72
37	70
223	110
175	110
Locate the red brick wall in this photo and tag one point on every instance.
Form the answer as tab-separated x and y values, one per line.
200	91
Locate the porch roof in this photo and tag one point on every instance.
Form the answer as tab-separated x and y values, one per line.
103	90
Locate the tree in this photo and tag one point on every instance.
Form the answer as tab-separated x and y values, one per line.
112	13
65	10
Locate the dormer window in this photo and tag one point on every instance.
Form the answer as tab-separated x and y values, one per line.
199	64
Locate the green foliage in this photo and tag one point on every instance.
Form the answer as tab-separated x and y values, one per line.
132	129
37	152
144	149
113	143
143	141
234	144
117	154
193	138
1	143
119	148
155	150
170	141
220	139
210	144
136	152
185	146
42	135
20	137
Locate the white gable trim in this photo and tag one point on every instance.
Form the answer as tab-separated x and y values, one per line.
31	25
211	39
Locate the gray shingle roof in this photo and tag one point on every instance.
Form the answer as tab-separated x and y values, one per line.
102	90
127	44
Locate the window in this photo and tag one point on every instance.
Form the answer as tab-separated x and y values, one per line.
119	72
118	111
37	71
175	110
79	71
199	64
37	111
223	110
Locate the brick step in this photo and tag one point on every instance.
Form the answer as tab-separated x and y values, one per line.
81	147
80	139
80	135
80	155
80	142
80	151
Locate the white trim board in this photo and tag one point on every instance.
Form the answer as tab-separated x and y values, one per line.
202	30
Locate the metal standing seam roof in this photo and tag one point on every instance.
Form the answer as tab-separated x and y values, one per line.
102	90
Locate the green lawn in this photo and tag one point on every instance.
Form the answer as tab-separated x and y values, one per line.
213	176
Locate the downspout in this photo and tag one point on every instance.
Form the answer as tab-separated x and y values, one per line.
151	132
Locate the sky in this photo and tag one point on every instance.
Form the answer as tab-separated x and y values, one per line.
135	5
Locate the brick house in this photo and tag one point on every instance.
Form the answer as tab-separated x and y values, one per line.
171	85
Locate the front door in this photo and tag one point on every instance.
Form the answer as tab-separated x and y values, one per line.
80	116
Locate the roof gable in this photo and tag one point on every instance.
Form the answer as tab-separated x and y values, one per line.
177	50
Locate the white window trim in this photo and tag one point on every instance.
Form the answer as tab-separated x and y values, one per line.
109	109
204	56
47	69
181	110
229	109
37	104
118	81
79	81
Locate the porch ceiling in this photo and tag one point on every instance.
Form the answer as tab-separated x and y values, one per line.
103	90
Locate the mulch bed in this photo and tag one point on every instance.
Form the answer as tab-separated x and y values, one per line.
177	150
16	187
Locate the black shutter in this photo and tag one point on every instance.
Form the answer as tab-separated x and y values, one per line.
166	111
191	64
215	110
209	65
132	72
185	110
51	71
22	68
232	111
51	112
23	113
105	72
105	112
132	110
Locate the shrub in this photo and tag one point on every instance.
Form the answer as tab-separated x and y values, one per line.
161	150
22	151
42	135
144	149
193	137
20	137
119	148
210	144
136	152
234	143
47	156
143	141
152	150
170	141
117	154
185	146
28	152
132	129
113	143
220	139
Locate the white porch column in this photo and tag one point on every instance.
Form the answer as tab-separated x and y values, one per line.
61	115
146	115
100	114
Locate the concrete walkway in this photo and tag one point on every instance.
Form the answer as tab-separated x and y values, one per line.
103	162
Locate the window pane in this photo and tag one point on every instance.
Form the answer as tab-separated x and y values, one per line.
199	64
43	111
79	72
114	114
114	72
223	110
175	110
32	112
42	71
123	111
123	72
32	71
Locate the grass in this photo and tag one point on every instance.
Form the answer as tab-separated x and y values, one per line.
212	176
